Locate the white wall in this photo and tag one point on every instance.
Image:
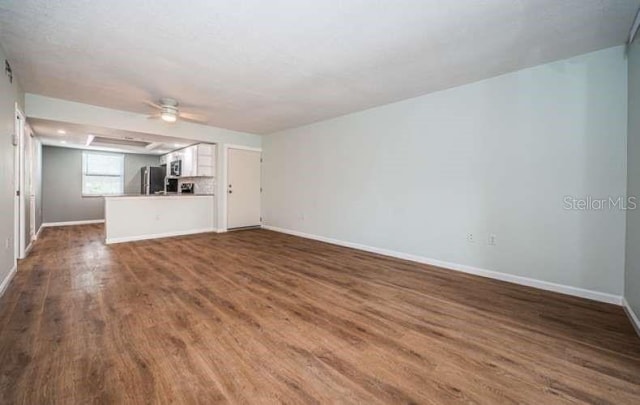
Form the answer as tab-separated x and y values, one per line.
632	273
493	157
10	93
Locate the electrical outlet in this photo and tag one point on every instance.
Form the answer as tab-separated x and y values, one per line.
491	241
7	243
470	238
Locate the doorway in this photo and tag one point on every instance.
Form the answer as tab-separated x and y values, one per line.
28	187
243	188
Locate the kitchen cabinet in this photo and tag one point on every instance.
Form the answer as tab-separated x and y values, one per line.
205	160
197	160
169	157
188	156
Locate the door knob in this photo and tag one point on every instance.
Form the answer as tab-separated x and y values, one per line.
230	192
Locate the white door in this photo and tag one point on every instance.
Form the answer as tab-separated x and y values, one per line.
243	188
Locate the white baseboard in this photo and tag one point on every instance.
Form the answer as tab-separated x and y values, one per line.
530	282
28	249
68	223
32	241
123	239
635	321
38	233
7	280
221	230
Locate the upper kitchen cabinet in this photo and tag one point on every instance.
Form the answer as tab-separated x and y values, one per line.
189	158
196	160
167	160
205	160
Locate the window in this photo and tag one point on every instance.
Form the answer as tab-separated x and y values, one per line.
102	173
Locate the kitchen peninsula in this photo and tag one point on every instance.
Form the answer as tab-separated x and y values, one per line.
139	217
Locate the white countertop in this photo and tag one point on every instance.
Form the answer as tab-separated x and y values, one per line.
136	196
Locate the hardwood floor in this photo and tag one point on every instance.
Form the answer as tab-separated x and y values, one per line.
261	317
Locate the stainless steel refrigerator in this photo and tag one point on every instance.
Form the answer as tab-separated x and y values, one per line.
152	179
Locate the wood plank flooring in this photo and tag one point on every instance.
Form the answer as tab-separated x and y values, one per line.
261	317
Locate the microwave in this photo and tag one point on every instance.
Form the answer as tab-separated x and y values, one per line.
176	168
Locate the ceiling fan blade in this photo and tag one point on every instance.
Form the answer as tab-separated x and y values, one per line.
189	106
152	104
194	121
199	118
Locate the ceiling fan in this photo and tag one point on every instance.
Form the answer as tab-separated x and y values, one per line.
169	112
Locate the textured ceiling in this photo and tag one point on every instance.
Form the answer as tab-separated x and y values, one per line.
260	66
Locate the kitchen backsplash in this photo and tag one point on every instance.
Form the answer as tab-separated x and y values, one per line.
201	185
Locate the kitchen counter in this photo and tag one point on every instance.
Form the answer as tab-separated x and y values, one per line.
173	195
139	217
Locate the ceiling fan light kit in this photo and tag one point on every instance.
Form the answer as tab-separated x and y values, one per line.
168	109
169	112
168	116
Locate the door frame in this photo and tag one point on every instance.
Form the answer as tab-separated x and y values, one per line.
19	205
30	139
222	223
